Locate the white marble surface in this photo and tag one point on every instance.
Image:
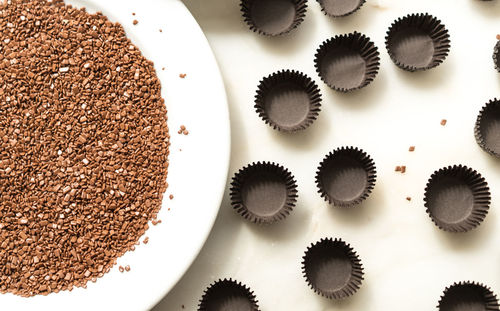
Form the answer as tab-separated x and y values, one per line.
407	260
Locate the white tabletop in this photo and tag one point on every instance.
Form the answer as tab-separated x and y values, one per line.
407	260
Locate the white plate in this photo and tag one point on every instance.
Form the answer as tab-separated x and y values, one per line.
197	174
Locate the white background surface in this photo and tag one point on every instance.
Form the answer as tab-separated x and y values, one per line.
174	243
408	261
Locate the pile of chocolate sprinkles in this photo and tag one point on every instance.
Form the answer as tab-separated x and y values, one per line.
83	146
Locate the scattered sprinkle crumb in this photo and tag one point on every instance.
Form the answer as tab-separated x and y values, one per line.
163	68
411	149
127	268
155	222
401	169
182	75
183	130
146	240
133	13
408	198
171	196
135	22
169	208
161	30
121	269
443	122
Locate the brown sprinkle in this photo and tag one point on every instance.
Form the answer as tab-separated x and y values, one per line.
398	169
156	222
161	30
121	269
403	169
171	196
443	122
146	240
83	146
182	75
127	268
183	130
412	148
135	22
408	198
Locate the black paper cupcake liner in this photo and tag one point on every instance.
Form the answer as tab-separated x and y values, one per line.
340	8
468	296
496	56
332	269
487	128
417	42
347	62
263	193
273	17
457	198
346	177
288	101
228	295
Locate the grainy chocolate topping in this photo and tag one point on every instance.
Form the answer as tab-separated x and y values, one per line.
83	146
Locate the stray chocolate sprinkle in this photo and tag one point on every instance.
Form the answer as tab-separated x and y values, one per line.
401	169
182	75
83	146
411	149
443	122
183	130
156	222
408	198
171	196
135	22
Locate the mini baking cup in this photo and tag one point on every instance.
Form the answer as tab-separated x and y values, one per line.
417	42
347	62
340	8
273	17
332	269
487	129
496	56
457	198
225	295
468	296
346	177
288	101
263	192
